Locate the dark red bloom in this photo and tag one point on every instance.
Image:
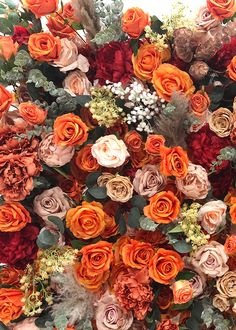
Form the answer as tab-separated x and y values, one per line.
21	35
224	56
19	248
114	63
221	182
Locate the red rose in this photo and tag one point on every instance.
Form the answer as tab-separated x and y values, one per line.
21	35
114	63
224	56
19	248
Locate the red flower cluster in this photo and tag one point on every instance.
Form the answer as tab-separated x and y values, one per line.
223	57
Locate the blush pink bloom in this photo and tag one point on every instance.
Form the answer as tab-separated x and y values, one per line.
76	83
212	216
205	20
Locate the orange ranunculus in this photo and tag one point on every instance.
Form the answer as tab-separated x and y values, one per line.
137	254
117	270
168	79
134	22
146	61
182	291
111	227
59	27
164	207
69	130
140	158
199	103
230	245
6	99
167	325
232	211
174	162
85	160
222	8
10	304
97	258
8	47
10	276
13	217
133	140
41	7
86	221
87	118
44	46
165	297
165	265
232	69
153	144
32	114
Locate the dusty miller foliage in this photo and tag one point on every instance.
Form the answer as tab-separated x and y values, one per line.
110	18
213	317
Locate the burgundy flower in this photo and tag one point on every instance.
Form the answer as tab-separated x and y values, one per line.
114	62
21	35
224	56
19	248
221	182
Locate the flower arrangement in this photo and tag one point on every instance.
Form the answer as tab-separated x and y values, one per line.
117	167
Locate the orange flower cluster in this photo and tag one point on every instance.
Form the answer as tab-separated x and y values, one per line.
13	217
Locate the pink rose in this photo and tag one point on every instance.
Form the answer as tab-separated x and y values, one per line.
205	21
27	324
212	216
76	83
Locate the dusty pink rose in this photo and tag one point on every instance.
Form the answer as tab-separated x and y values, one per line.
211	259
119	189
149	181
204	20
76	83
212	215
53	154
196	184
110	315
27	324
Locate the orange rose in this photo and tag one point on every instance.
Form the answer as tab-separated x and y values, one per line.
70	130
199	103
222	8
167	325
164	207
71	187
41	7
230	245
6	99
137	254
165	265
97	258
133	140
146	61
59	27
10	304
232	211
134	22
7	47
140	158
182	292
118	246
10	276
168	79
44	47
232	69
86	221
13	217
117	270
153	144
174	162
111	227
32	114
85	160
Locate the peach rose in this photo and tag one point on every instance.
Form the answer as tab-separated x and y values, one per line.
134	22
6	99
146	61
76	83
86	221
13	217
10	304
222	8
133	140
221	122
41	7
221	302
212	216
154	143
69	130
119	189
182	292
59	27
226	285
230	245
232	69
199	103
205	21
174	162
32	114
27	324
109	151
85	161
44	47
137	254
10	276
168	79
7	47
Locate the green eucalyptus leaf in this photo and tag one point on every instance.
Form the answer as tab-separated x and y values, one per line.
193	324
77	244
11	3
185	275
133	218
58	223
3	326
182	247
134	44
91	179
98	192
147	224
138	201
122	225
176	230
46	239
83	99
181	307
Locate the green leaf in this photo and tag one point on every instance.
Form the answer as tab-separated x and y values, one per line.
156	25
138	201
185	275
147	224
46	239
216	97
181	307
193	324
183	247
3	326
11	4
133	218
83	99
91	179
98	192
14	17
122	225
76	26
176	230
57	222
134	44
41	321
77	244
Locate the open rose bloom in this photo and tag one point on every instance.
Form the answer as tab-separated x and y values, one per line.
117	166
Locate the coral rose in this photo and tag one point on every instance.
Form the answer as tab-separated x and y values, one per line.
134	22
232	211
120	189
32	114
199	103
154	143
44	46
182	292
230	245
212	216
86	221
168	79
137	254
77	83
7	47
10	304
133	140
13	217
226	285
222	8
146	61
165	266
59	27
84	159
232	69
6	99
221	122
174	162
69	130
167	325
97	257
41	7
164	207
10	276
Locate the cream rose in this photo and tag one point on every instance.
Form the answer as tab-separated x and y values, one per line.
104	178
196	184
204	20
148	181
76	83
212	215
53	154
221	122
226	285
120	189
109	151
221	302
211	259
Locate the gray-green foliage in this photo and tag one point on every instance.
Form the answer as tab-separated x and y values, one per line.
227	153
213	317
147	224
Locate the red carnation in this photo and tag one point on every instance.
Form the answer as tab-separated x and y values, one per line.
221	182
114	63
19	248
224	56
21	35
